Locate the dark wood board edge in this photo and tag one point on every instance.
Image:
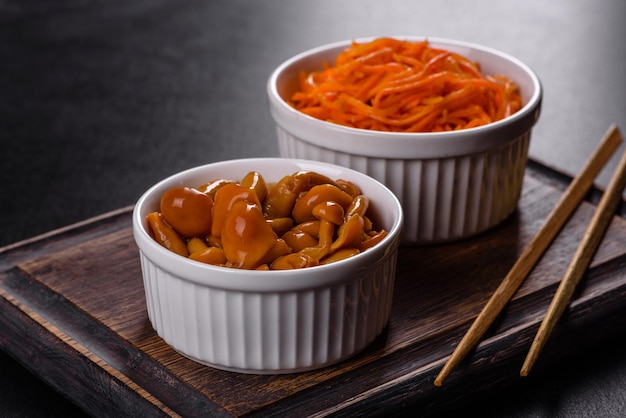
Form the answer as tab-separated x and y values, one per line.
65	237
123	360
54	360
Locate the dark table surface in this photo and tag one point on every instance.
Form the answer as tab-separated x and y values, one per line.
100	99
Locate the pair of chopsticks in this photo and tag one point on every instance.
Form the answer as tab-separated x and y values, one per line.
569	201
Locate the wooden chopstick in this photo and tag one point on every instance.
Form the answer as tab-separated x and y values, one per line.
570	199
580	261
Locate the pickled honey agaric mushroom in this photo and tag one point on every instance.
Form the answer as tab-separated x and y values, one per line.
304	220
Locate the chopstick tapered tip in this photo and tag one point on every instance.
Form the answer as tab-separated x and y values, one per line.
460	352
528	364
440	378
443	373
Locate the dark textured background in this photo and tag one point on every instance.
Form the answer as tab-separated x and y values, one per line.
100	99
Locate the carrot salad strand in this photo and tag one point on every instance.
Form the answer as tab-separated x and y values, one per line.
405	86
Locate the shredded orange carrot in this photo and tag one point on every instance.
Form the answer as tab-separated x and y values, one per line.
405	86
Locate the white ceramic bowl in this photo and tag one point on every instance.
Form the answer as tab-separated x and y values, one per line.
451	184
269	322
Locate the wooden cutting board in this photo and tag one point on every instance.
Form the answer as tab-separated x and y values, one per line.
72	310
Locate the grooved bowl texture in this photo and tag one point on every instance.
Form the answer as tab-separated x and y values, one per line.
451	185
269	322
